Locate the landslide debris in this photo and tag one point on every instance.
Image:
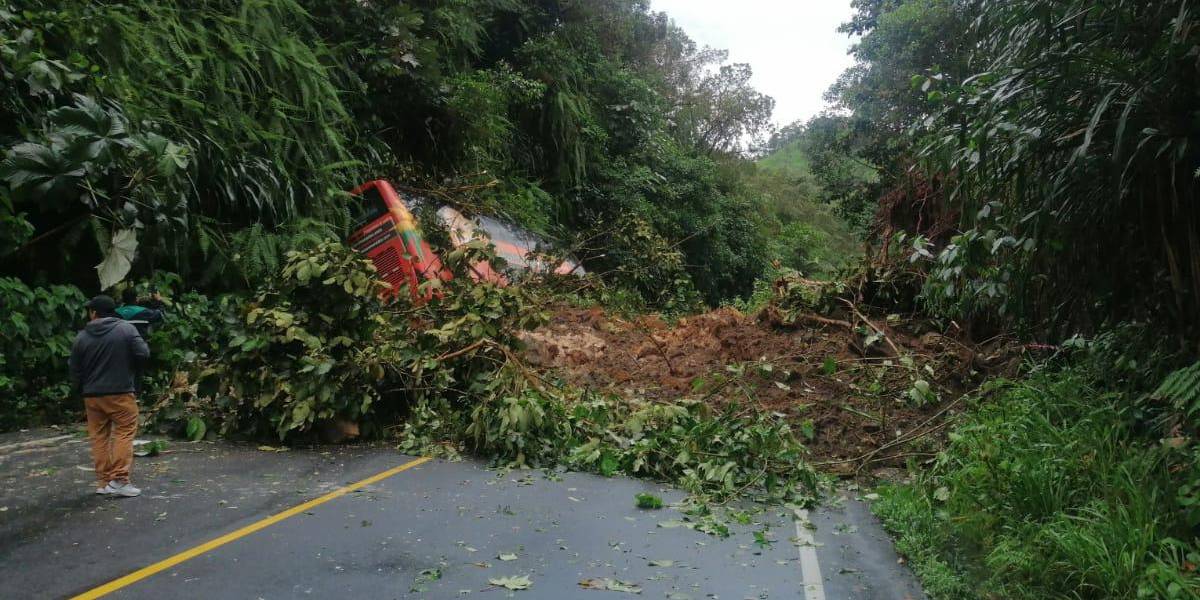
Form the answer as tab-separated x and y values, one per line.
866	391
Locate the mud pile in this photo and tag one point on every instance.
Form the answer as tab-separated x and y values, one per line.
856	395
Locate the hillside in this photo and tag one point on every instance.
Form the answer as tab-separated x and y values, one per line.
812	236
791	160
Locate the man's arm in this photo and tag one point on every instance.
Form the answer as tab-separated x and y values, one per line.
75	366
137	346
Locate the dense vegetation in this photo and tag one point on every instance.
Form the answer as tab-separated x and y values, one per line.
210	136
192	146
1025	168
1037	173
1039	157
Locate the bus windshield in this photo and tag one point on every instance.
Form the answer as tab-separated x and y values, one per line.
367	207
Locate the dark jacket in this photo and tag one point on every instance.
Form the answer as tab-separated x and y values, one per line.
106	357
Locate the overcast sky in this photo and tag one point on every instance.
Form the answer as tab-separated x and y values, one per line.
792	45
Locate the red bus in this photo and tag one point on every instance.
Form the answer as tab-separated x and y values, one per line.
386	232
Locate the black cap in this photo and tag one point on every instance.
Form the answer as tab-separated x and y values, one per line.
102	304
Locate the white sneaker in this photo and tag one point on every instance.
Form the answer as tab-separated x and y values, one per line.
103	490
124	490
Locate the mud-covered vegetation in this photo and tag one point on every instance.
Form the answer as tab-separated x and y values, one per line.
318	350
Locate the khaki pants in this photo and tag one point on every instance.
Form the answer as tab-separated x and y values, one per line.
112	422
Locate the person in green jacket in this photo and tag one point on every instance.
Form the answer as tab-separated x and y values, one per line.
143	314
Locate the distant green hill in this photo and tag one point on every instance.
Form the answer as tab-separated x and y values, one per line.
810	236
791	160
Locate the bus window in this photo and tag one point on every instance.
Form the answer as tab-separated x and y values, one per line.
366	208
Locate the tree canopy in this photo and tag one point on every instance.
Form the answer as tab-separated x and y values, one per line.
211	130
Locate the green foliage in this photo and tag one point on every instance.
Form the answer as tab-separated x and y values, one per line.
651	266
318	345
247	126
1080	168
1043	150
245	258
821	160
648	501
714	454
296	352
1181	389
205	128
37	328
1051	489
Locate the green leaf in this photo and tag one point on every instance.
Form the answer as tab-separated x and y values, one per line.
196	429
91	130
168	157
39	172
941	494
48	76
608	464
648	501
118	259
829	367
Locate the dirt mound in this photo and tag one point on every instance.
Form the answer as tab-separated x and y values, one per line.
850	387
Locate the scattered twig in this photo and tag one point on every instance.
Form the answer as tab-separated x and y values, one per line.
901	455
848	408
864	319
914	434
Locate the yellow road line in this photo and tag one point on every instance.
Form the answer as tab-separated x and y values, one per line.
167	563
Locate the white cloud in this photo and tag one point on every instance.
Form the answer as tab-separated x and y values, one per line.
793	46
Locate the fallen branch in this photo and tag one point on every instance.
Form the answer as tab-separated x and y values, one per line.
657	346
860	413
825	321
864	319
457	353
915	434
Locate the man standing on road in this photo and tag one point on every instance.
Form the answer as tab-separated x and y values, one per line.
104	361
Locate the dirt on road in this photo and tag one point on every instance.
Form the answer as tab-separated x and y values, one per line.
857	399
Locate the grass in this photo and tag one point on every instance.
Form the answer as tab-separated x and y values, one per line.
1049	489
648	501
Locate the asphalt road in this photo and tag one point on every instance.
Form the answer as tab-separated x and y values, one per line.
431	530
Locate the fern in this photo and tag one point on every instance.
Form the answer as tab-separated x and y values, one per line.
1182	389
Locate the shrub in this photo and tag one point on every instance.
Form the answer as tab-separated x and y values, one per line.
318	344
37	328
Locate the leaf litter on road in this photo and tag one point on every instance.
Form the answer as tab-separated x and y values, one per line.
609	584
512	582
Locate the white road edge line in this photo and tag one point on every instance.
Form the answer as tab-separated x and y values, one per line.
810	569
